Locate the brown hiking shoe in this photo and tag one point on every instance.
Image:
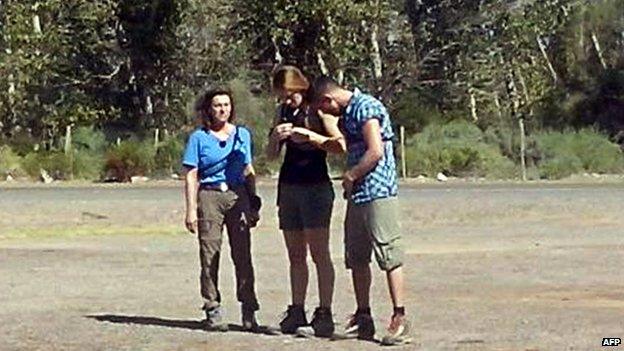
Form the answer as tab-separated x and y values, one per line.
398	332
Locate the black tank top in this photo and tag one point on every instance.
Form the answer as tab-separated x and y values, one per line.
303	163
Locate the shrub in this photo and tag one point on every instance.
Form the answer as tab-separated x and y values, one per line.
565	153
458	149
22	143
560	166
89	139
169	155
56	163
10	162
255	112
130	158
87	165
89	146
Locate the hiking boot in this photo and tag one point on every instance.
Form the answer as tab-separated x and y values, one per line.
398	332
361	325
294	318
248	317
214	320
322	322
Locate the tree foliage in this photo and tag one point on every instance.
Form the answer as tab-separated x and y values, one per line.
129	66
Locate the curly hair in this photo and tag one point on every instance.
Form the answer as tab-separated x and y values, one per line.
204	102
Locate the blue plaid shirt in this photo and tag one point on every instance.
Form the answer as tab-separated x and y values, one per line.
381	182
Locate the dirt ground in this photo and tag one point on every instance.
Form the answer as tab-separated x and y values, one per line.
489	267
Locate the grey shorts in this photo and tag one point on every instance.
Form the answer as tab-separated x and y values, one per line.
305	206
373	227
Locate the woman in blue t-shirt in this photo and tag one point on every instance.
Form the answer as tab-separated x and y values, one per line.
220	190
305	195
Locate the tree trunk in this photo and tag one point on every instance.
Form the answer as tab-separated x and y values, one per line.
321	62
515	106
551	68
598	50
149	107
278	55
68	140
473	106
376	53
525	90
522	148
36	24
499	109
340	76
403	161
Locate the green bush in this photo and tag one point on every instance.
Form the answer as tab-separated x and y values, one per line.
255	112
169	155
566	153
560	166
57	164
89	139
22	143
130	158
87	165
88	148
457	149
10	162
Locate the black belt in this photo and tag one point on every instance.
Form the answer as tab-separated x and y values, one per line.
222	187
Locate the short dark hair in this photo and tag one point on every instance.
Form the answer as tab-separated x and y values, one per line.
204	101
319	87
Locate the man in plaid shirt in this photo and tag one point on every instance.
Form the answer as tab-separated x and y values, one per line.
370	185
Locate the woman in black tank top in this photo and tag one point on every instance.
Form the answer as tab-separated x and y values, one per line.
305	195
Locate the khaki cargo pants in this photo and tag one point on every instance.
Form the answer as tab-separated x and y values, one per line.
216	209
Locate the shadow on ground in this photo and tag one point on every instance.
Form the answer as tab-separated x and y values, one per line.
175	323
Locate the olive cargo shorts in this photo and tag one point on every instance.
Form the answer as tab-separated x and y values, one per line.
373	227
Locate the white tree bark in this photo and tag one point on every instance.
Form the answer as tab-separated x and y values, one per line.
473	106
598	50
68	140
515	106
321	62
542	48
278	55
36	24
499	109
340	76
376	53
525	90
149	107
403	160
522	148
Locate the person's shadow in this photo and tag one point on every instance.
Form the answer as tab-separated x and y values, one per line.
176	323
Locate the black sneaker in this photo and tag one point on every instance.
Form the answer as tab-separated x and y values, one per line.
361	325
248	316
322	322
294	317
214	320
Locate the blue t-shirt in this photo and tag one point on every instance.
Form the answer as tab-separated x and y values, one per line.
219	161
381	182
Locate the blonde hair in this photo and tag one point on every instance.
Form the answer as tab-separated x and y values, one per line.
289	78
